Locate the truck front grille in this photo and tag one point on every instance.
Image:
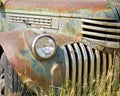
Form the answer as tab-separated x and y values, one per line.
85	65
102	32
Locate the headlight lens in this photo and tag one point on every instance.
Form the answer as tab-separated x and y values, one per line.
44	46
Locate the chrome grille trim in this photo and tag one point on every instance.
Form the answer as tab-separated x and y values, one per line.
85	59
92	65
97	58
101	23
73	63
66	65
110	61
104	60
110	30
79	58
106	32
107	36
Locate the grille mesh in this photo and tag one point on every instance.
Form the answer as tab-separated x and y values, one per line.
85	65
103	32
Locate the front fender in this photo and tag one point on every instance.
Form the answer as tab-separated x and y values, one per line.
17	47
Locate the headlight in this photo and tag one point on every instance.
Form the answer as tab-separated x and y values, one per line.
43	46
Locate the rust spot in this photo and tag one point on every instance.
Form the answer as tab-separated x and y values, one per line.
21	64
56	74
62	39
29	37
57	5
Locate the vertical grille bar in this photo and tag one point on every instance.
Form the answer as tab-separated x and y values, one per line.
92	65
79	56
85	58
97	61
116	67
66	65
104	65
79	63
110	72
73	62
110	61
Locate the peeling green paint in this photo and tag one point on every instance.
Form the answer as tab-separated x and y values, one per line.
43	67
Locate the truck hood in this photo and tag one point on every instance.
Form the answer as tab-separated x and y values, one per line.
81	8
57	5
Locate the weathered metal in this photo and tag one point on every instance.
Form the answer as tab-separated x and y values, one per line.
104	32
29	68
94	23
57	5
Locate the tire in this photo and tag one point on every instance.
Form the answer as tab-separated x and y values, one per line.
10	83
2	81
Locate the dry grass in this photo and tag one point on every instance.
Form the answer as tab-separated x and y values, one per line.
107	86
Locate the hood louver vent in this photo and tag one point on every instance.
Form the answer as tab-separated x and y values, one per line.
36	20
102	32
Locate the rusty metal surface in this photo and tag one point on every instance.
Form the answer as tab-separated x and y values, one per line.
60	38
16	58
17	48
57	5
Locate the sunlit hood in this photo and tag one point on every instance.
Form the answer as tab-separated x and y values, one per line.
85	8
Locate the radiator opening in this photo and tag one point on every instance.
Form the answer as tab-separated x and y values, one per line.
95	66
107	64
101	64
100	31
101	38
102	26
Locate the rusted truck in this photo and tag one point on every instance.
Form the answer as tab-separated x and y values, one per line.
51	42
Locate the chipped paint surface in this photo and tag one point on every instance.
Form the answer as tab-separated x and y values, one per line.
30	69
100	9
57	5
23	61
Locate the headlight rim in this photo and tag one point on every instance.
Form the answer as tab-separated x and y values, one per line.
34	49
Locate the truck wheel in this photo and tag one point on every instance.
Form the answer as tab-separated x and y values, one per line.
10	82
2	81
